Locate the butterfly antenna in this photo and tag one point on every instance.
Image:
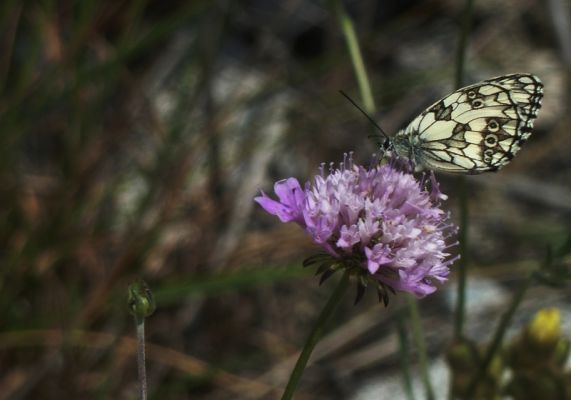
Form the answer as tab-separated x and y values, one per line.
365	114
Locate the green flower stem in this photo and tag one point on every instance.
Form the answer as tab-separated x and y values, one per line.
348	30
462	265
420	346
404	356
314	336
499	335
140	323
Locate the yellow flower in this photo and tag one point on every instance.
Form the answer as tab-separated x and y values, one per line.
545	328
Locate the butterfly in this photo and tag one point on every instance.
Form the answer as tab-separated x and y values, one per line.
476	129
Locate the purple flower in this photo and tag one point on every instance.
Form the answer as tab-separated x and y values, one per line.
290	206
382	220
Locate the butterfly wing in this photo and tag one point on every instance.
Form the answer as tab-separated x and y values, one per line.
475	129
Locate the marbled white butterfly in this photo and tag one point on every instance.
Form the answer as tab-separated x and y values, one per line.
475	129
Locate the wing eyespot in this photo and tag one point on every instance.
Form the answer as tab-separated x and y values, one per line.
491	140
477	103
493	126
488	156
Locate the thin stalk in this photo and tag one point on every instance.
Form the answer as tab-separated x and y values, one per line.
420	346
461	50
499	335
404	350
141	305
462	266
140	323
459	315
350	35
314	336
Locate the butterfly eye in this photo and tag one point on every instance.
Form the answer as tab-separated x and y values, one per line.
477	103
493	125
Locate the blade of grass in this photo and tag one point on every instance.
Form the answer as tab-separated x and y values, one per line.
499	335
348	30
226	283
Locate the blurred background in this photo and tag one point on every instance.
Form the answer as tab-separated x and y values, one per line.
135	134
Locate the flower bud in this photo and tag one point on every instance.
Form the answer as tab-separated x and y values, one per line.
141	302
545	328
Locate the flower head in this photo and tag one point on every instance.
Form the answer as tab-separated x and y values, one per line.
381	222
